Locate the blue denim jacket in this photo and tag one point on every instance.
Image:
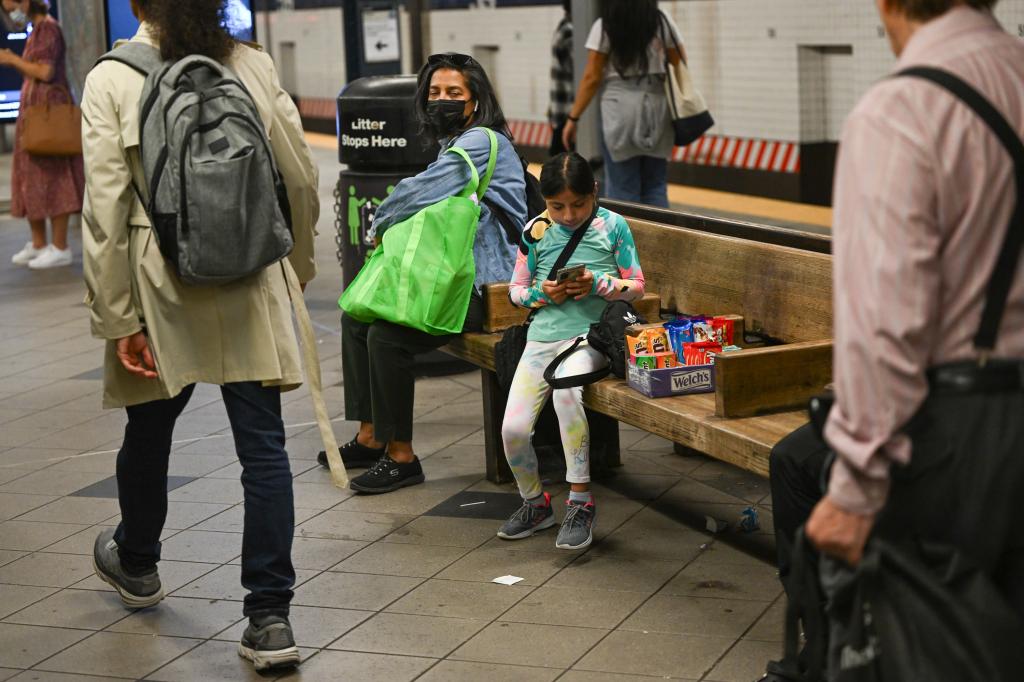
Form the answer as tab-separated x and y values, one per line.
448	176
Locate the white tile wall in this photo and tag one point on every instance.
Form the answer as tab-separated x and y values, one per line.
319	47
744	54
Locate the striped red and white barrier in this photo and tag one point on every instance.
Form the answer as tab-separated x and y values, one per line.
736	152
711	150
317	108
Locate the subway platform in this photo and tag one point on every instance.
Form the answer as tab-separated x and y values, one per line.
391	588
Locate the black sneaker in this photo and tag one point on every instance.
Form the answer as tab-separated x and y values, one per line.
354	455
137	592
387	475
268	642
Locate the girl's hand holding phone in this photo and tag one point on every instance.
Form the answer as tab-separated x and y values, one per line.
581	286
556	292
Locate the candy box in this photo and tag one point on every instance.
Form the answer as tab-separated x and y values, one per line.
672	381
644	362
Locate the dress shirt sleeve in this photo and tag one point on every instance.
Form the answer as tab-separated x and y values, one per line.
107	206
886	244
629	285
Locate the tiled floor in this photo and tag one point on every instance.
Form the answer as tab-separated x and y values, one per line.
396	587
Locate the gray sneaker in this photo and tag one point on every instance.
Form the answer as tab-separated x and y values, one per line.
577	531
268	642
137	592
527	520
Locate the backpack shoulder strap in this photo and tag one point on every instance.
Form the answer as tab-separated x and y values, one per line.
998	291
143	58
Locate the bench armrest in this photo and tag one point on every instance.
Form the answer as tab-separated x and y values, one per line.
751	382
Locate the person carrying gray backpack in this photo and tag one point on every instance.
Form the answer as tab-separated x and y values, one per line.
200	206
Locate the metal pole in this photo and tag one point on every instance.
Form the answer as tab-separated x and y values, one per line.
419	25
588	131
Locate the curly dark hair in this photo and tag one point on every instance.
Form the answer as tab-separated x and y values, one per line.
37	7
630	25
187	27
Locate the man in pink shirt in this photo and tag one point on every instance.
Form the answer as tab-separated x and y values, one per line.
928	426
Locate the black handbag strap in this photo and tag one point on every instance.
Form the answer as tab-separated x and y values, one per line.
804	604
570	246
998	292
578	379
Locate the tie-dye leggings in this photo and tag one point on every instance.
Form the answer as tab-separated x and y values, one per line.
526	398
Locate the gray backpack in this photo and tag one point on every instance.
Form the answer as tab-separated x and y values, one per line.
214	196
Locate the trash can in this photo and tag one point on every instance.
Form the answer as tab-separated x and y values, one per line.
379	143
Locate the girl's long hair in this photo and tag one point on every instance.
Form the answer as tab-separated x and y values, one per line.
630	25
186	27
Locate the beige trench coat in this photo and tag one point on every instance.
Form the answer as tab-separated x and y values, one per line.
237	332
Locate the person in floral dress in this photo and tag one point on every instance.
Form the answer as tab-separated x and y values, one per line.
42	188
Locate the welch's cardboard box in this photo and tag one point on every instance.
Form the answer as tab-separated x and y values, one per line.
662	383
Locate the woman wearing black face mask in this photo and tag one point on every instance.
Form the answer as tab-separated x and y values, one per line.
454	102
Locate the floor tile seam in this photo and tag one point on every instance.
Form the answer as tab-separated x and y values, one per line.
585	553
52	382
743	635
29	511
57	591
633	612
492	621
432	576
721	658
36	665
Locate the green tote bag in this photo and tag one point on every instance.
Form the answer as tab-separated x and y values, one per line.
422	274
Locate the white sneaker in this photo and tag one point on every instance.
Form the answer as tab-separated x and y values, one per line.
51	257
26	254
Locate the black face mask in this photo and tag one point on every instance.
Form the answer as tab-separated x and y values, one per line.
446	116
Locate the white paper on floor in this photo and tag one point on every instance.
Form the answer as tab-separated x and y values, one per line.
508	580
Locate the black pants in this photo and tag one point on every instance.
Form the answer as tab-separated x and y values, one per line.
255	415
795	472
378	362
964	483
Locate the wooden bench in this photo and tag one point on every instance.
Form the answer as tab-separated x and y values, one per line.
784	296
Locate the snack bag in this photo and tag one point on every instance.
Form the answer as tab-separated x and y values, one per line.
685	333
697	353
637	345
703	332
723	330
657	340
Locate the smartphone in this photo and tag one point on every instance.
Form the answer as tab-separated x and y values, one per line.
571	273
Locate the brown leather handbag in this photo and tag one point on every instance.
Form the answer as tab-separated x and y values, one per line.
53	129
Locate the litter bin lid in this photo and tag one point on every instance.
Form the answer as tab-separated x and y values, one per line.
377	126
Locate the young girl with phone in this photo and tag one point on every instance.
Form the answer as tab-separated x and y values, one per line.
564	312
